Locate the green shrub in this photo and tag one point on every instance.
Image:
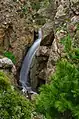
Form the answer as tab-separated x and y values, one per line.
10	56
67	42
60	99
72	53
14	106
4	81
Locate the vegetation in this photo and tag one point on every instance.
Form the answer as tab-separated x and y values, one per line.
57	100
4	81
72	53
10	56
60	98
12	104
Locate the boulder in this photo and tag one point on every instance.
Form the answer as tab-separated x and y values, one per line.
6	63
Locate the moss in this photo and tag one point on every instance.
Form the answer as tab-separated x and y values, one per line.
4	81
13	105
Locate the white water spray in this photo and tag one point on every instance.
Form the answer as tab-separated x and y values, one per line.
24	73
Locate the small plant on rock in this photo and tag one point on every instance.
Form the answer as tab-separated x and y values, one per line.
10	56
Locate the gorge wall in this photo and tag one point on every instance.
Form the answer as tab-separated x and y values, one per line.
63	20
20	18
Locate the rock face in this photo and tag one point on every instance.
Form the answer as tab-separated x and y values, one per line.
15	31
19	18
64	21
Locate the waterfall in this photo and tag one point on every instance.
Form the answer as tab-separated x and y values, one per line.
24	73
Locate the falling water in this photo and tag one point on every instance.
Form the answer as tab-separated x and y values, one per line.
24	73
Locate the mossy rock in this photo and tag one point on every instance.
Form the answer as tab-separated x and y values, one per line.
4	81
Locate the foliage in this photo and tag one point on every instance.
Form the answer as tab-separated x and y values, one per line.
12	104
72	52
67	42
60	98
62	95
10	56
4	81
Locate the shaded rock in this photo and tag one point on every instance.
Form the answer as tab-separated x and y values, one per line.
48	34
53	58
42	74
43	51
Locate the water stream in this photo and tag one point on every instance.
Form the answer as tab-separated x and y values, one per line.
24	73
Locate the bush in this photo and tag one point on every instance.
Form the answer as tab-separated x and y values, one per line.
72	53
60	98
13	105
10	56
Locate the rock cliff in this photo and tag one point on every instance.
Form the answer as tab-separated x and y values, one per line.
19	19
63	20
